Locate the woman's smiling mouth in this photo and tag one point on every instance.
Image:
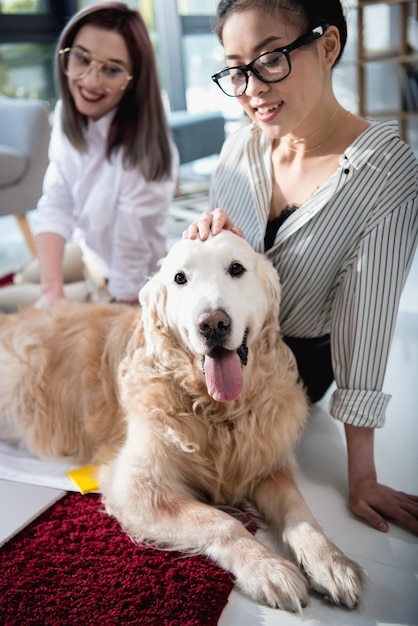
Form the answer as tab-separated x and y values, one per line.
267	112
90	96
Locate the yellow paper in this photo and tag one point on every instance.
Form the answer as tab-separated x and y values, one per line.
85	478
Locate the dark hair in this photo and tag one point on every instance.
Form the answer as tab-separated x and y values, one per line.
139	126
303	13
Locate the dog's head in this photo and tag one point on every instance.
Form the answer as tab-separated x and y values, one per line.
215	296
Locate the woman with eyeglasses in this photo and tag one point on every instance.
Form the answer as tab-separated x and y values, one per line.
331	199
113	166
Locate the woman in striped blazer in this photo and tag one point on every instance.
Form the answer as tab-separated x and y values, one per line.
331	199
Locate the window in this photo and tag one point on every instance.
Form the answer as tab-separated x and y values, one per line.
28	33
188	54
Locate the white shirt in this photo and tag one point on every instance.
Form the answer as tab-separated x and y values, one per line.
119	215
342	257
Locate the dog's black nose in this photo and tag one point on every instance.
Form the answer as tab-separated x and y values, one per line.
214	324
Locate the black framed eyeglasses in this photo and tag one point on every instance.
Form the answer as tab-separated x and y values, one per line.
269	67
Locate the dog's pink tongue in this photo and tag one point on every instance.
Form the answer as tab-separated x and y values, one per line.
223	375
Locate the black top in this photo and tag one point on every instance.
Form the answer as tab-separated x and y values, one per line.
274	225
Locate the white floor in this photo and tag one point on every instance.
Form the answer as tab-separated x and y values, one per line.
391	596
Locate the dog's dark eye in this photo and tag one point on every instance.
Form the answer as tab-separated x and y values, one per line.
236	269
180	278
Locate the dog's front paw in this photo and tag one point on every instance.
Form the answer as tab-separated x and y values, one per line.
274	582
336	577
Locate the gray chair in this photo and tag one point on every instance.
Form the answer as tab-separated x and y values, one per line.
197	135
24	140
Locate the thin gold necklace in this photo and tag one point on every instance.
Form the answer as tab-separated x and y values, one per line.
291	141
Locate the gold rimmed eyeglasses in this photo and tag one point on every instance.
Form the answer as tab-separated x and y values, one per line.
76	63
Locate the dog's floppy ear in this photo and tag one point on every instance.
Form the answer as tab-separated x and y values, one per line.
153	298
270	279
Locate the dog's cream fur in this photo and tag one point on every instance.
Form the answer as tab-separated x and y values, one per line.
127	389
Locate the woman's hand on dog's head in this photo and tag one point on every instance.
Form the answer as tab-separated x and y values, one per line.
211	222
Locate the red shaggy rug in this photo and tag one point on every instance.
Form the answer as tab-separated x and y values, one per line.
75	566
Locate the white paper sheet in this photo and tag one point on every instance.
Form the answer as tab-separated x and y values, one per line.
21	466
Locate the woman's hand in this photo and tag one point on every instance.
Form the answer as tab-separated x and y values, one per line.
52	292
374	502
369	499
214	223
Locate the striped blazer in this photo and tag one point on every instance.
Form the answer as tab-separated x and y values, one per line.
342	257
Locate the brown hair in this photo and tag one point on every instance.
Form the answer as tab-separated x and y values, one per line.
303	13
139	126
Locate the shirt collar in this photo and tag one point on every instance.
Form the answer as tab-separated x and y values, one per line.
102	125
372	139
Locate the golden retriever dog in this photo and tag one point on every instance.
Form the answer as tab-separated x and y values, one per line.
189	404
